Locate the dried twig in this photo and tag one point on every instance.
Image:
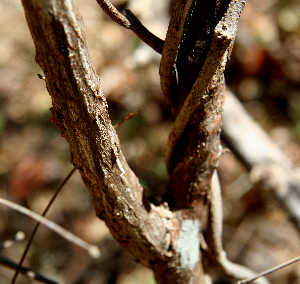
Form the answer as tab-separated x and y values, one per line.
143	33
269	271
92	250
130	21
129	115
214	238
114	14
38	224
26	271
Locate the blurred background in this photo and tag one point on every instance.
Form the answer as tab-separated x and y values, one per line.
264	72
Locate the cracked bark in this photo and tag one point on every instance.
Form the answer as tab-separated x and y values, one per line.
155	235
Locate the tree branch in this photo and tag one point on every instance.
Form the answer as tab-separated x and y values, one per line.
144	34
269	166
166	241
114	14
92	250
130	21
213	237
38	224
193	148
79	111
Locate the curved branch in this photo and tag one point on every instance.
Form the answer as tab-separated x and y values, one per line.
130	21
80	113
214	238
151	234
114	14
166	241
92	250
200	56
144	34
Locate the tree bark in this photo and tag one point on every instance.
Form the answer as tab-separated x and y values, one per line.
197	46
166	240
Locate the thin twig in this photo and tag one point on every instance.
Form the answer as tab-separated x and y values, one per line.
38	224
129	115
114	14
131	22
143	33
26	271
93	250
214	238
269	271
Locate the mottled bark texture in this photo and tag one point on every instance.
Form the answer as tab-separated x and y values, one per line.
166	240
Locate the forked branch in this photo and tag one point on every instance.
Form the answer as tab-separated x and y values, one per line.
168	241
